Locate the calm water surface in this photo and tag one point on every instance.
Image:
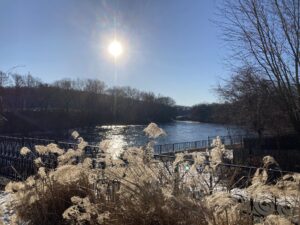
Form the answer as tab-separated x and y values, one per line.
179	131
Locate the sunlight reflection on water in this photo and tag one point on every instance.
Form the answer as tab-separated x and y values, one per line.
123	136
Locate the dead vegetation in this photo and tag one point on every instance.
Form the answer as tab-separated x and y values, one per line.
133	188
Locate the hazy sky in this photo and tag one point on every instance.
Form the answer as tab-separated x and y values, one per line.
171	47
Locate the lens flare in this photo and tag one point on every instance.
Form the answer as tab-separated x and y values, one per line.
115	48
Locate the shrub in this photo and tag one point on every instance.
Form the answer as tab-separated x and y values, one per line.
126	188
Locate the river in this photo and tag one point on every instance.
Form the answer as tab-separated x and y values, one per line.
178	131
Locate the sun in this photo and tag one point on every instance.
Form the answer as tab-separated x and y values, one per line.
115	48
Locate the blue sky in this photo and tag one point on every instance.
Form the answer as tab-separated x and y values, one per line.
171	47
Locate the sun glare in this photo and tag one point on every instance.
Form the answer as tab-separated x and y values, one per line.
115	48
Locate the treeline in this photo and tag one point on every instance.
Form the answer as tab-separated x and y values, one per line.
221	113
260	113
255	103
28	104
211	113
250	101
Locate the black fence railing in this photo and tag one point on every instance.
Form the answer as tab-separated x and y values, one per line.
247	150
285	149
197	145
15	166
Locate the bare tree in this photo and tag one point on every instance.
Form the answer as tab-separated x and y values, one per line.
132	93
66	84
94	86
254	102
18	80
31	81
266	34
166	100
4	78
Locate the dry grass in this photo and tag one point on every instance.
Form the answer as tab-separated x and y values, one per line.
44	201
132	189
1	215
150	206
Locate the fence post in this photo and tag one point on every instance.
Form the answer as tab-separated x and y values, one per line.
242	141
23	141
208	143
252	208
275	205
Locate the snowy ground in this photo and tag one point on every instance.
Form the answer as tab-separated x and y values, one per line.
5	212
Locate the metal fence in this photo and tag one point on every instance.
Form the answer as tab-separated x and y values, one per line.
15	166
285	149
197	145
